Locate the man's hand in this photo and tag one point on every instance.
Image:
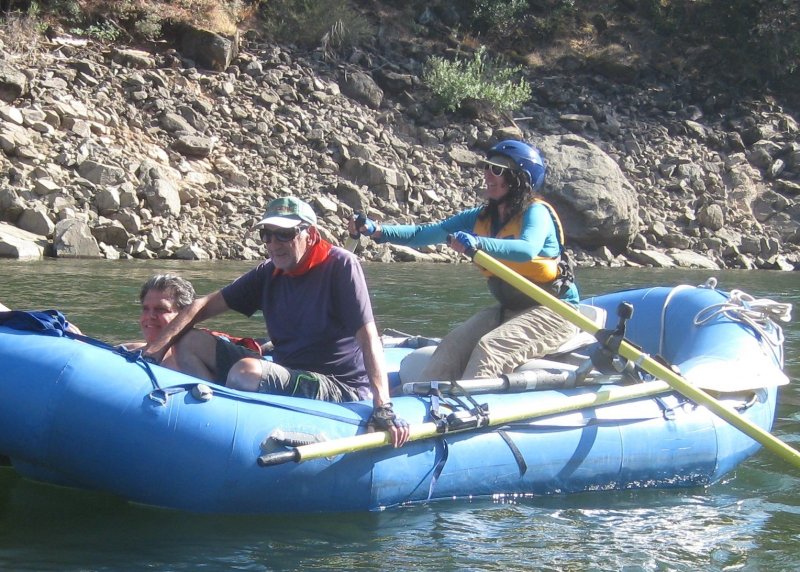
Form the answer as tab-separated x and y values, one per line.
154	353
383	418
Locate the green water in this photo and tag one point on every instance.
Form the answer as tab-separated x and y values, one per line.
750	521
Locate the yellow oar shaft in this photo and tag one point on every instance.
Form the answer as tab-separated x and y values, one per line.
497	416
643	360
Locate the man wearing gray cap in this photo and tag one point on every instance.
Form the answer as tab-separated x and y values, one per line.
318	315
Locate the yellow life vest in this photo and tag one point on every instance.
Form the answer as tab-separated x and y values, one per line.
540	269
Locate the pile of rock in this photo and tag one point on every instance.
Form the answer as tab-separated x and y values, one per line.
112	152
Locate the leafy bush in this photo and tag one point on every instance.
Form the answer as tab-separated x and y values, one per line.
105	20
518	25
478	78
21	33
102	31
334	24
758	35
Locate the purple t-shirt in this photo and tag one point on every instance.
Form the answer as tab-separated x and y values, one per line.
312	319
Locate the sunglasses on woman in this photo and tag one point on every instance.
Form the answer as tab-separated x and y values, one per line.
496	170
281	235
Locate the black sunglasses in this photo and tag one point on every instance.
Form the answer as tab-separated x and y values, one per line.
496	170
282	235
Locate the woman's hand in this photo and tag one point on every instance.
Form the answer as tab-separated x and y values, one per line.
464	243
360	224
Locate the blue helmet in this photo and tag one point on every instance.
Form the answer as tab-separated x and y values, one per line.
525	157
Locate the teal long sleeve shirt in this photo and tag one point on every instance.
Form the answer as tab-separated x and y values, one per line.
537	237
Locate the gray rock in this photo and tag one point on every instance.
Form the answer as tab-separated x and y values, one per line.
595	201
193	146
162	197
35	220
20	244
11	114
393	82
352	196
689	259
13	82
111	233
131	58
107	200
209	50
11	205
173	122
131	221
711	216
101	174
45	186
362	88
191	252
651	258
379	180
73	239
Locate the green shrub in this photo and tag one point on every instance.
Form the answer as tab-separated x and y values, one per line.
334	24
102	31
755	37
148	27
518	25
21	33
478	78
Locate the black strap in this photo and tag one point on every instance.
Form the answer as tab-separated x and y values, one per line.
442	453
523	466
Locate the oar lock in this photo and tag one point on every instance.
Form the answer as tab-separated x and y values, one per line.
463	419
607	357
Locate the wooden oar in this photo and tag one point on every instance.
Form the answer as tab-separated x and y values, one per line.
497	416
641	359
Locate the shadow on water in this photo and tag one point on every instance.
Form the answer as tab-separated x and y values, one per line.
45	527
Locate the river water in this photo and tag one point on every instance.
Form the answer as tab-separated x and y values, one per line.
750	521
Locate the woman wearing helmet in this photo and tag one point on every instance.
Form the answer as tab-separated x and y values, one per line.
518	228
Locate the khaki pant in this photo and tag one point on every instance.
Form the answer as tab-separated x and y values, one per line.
279	380
489	344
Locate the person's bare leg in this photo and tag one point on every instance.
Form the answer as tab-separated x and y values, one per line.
245	374
194	354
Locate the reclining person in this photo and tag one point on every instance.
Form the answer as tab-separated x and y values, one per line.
162	297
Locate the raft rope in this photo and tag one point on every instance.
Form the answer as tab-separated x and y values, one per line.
761	314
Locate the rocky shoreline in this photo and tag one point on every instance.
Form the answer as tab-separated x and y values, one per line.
114	152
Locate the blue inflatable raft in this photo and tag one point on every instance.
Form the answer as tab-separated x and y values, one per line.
81	414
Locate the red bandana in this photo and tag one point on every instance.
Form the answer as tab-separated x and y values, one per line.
317	254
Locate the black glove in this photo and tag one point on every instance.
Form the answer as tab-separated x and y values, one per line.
369	225
383	418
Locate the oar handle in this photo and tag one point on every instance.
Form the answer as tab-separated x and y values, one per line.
278	458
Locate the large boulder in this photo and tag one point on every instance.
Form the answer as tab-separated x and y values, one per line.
35	220
20	244
162	197
13	82
361	87
596	203
73	239
209	50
